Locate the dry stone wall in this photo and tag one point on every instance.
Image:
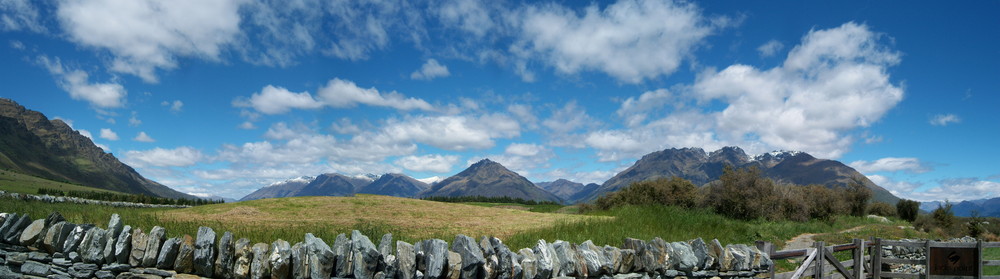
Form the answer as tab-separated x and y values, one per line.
56	249
53	199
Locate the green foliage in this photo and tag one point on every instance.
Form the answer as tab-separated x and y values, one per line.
908	209
857	196
882	209
944	217
745	195
672	192
467	199
122	197
824	202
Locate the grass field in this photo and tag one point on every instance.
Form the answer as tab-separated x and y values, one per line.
23	183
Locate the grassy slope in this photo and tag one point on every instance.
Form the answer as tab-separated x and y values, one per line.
21	183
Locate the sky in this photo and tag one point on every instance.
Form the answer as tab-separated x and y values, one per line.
225	96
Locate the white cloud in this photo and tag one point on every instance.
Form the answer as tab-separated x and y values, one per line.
159	157
631	40
77	83
175	106
430	70
524	149
565	125
525	159
17	15
945	119
344	93
946	189
146	35
450	132
278	100
86	133
471	16
678	129
133	121
143	137
108	134
770	48
891	164
634	110
345	126
432	163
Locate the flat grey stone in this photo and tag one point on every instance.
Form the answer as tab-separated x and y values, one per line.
683	257
342	249
322	259
472	256
366	257
117	267
224	260
435	257
55	235
260	267
280	259
385	245
405	260
13	232
32	232
700	250
92	248
167	256
244	256
454	266
529	265
138	247
300	261
123	245
185	256
543	260
154	239
35	268
566	257
204	252
104	274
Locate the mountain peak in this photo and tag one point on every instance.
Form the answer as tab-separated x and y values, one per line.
777	155
489	179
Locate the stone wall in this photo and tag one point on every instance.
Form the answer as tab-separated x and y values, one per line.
52	199
54	248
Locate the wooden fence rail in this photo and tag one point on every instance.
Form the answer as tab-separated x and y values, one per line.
819	261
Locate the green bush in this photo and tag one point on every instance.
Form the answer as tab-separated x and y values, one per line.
825	202
671	192
908	209
745	195
882	209
857	196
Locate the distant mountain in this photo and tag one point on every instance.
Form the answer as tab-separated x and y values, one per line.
30	143
982	207
568	191
431	180
701	168
489	179
280	189
394	184
332	184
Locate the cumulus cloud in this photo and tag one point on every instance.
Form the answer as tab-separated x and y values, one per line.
450	132
430	70
891	164
147	35
945	119
432	163
770	48
77	83
108	134
631	40
18	15
635	110
565	126
143	137
344	93
159	157
946	189
278	100
471	16
523	158
175	106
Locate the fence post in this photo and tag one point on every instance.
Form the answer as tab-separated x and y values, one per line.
859	258
767	247
877	259
820	251
927	259
979	250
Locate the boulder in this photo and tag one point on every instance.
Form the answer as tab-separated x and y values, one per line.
34	268
435	257
13	233
405	260
243	255
204	252
154	239
516	271
740	257
167	256
529	265
629	262
108	253
657	257
589	259
638	248
92	251
32	233
491	267
722	257
260	268
566	257
700	250
115	225
385	245
56	235
454	266
505	258
342	248
486	246
366	256
300	261
544	260
138	247
8	220
280	259
613	256
683	257
185	256
224	259
389	266
321	258
472	256
123	245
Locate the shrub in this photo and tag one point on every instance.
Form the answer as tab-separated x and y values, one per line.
856	197
672	192
944	217
793	203
825	202
881	209
744	194
908	209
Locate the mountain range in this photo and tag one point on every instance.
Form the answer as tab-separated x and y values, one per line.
569	191
489	179
981	207
700	168
32	144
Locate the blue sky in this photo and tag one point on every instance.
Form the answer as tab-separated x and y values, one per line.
222	97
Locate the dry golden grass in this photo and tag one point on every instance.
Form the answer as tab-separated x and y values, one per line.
414	218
